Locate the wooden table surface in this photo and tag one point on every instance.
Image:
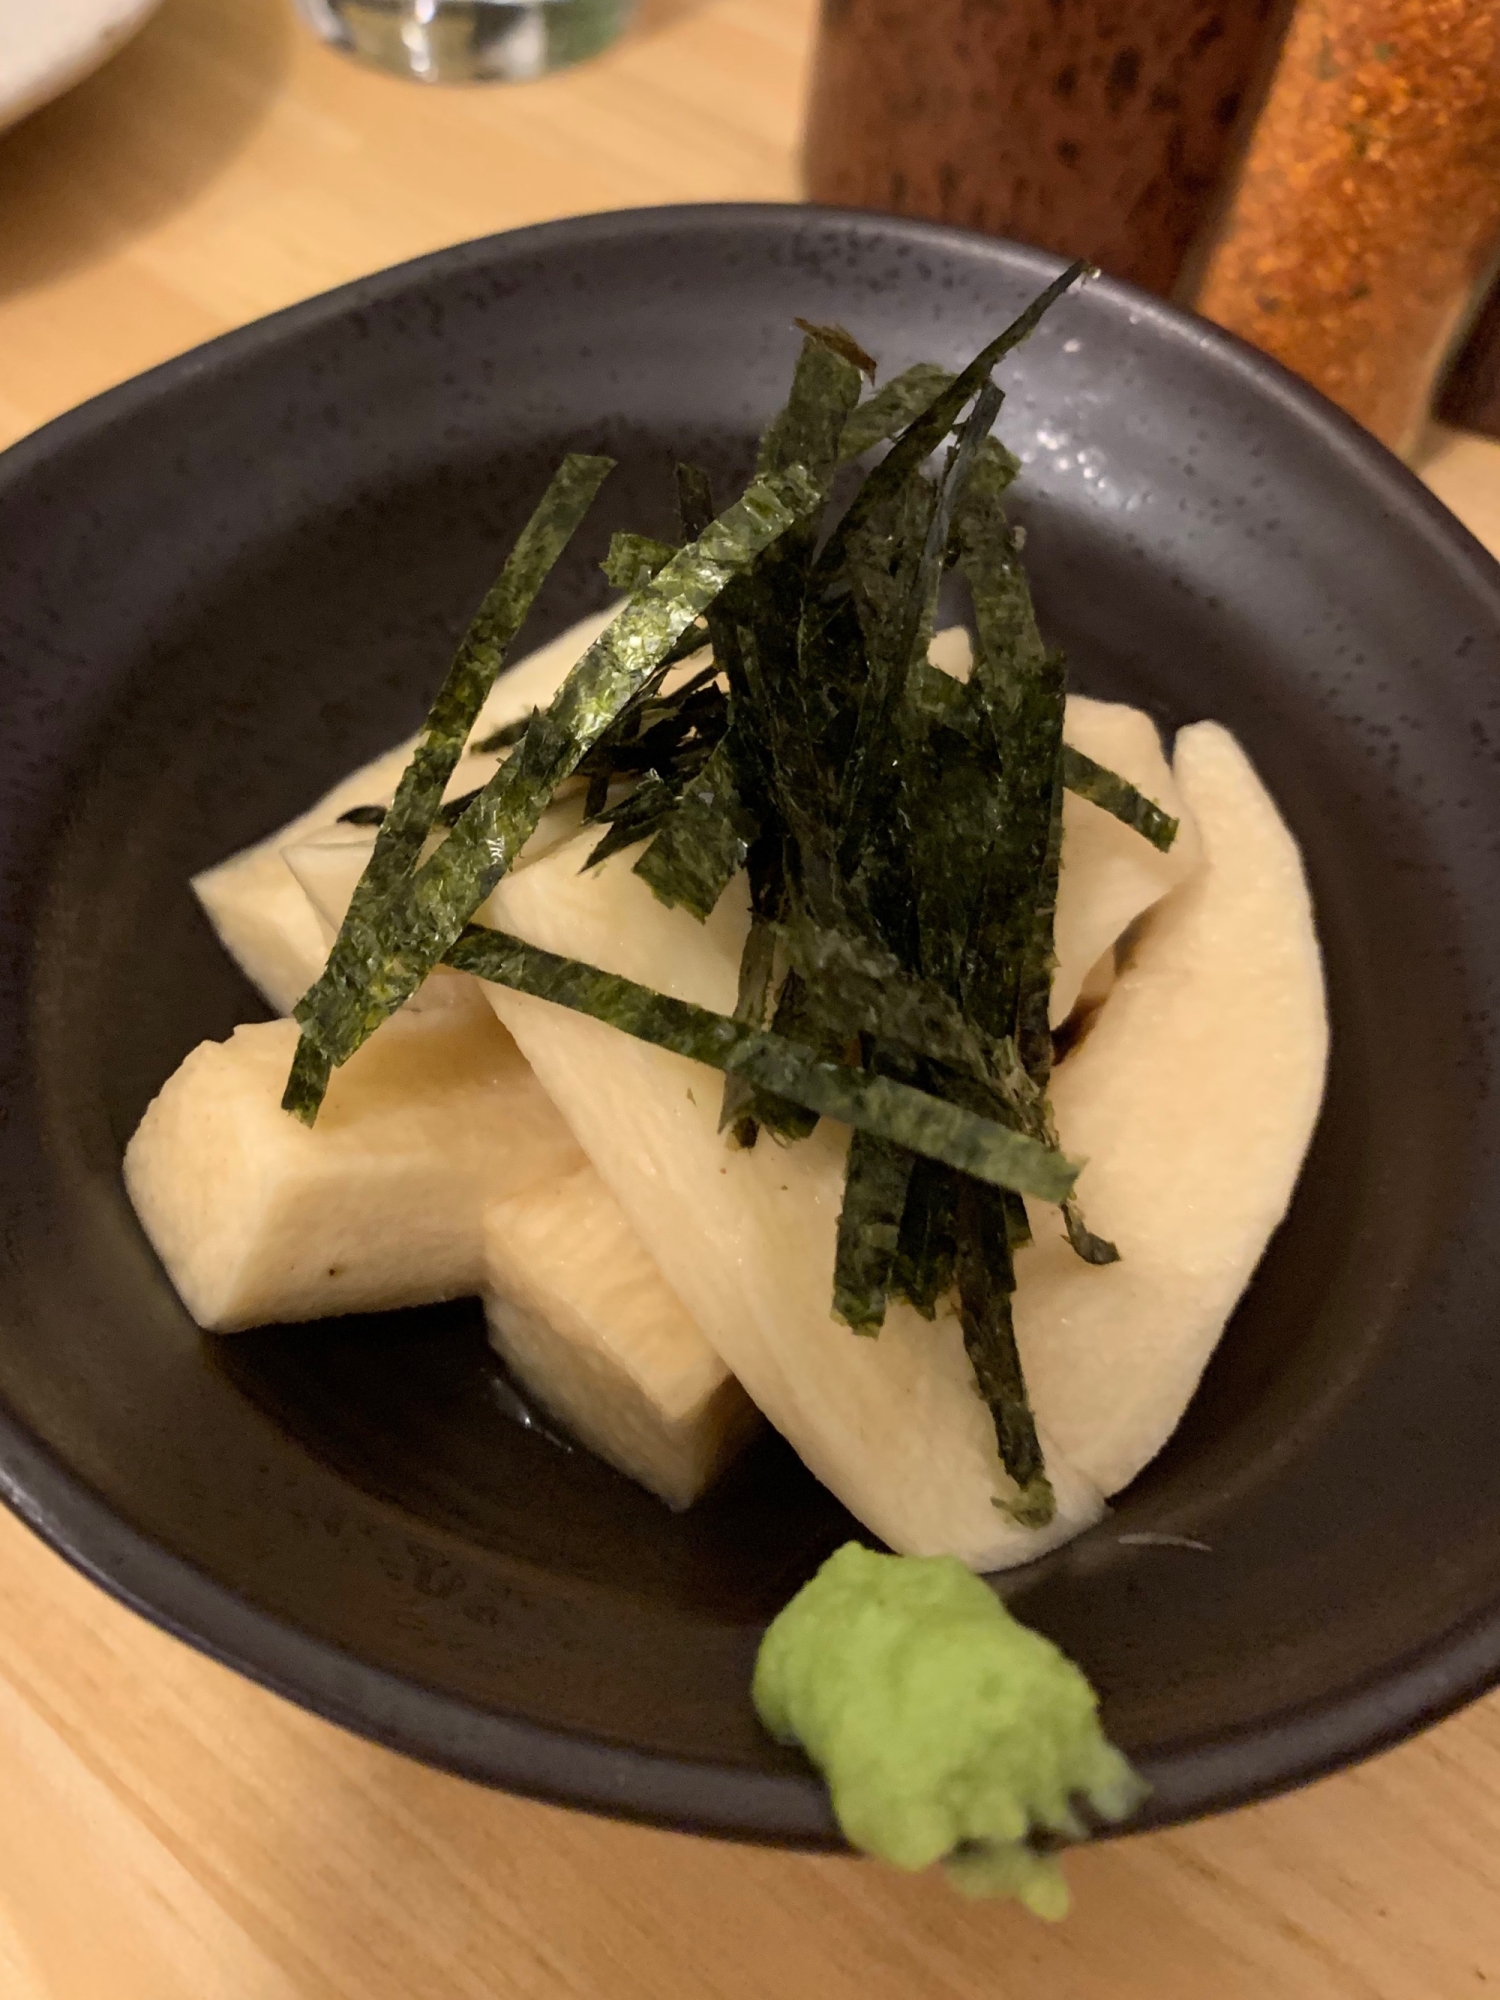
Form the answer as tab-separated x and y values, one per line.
168	1832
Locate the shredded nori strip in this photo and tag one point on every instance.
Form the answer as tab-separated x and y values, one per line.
705	843
888	914
386	950
307	1083
646	811
891	409
405	825
927	1247
634	559
928	430
761	977
977	1147
983	931
806	432
754	631
842	342
1116	795
480	655
895	603
881	998
877	1178
986	1283
1091	1248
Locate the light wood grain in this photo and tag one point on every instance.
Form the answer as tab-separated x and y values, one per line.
170	1832
225	164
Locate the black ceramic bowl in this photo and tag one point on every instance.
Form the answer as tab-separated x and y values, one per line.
226	583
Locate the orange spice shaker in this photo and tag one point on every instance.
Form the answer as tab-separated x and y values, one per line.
1365	215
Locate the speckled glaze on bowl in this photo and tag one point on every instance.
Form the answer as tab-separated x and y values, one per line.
227	582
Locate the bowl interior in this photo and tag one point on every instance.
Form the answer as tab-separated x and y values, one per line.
229	583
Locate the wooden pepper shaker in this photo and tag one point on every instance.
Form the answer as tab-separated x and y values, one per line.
1097	128
1366	212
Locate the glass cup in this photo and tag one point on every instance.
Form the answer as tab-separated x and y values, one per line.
468	41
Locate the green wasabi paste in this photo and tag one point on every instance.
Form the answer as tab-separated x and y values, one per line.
946	1730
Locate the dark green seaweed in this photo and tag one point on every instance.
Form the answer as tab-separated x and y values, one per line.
409	819
842	342
986	1282
890	409
634	559
705	843
1091	1248
407	822
927	1246
825	388
386	949
754	630
307	1083
647	809
761	975
928	430
977	1147
877	1177
1116	795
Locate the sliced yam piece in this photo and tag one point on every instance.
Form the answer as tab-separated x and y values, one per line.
257	908
326	864
745	1239
265	923
1111	875
1192	1100
583	1316
575	1304
951	651
259	1220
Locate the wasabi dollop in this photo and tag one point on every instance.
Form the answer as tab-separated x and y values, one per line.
946	1731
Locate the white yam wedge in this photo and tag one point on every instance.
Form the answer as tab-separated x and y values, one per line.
585	1319
259	1220
1192	1100
575	1304
252	900
325	866
893	1426
1111	875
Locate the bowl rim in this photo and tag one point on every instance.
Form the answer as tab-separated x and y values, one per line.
788	1808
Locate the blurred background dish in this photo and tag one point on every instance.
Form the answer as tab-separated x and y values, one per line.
47	45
